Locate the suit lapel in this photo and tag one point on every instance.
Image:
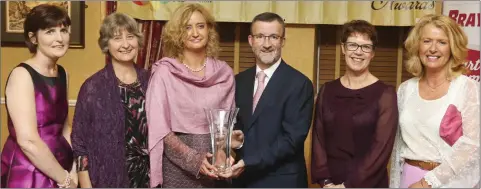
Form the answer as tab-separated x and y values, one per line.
246	87
273	87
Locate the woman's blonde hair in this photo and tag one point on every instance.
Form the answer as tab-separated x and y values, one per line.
457	42
174	32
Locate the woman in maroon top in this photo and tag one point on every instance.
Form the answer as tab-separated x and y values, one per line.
355	120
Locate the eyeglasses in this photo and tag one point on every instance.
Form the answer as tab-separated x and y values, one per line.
272	38
367	48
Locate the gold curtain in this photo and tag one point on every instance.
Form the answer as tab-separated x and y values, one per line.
383	13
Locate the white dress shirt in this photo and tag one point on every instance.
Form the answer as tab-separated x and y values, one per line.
269	72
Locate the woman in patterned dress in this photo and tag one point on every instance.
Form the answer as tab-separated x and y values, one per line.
37	153
109	136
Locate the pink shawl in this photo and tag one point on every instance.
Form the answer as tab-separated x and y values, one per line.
175	102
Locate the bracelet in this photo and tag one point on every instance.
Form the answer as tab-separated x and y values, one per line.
66	182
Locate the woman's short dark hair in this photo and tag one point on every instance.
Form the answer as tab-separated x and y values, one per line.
359	27
42	17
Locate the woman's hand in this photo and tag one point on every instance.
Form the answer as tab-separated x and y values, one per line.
73	184
74	176
329	185
420	184
207	169
335	186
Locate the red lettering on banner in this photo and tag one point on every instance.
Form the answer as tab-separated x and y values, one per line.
478	19
465	20
453	14
473	65
474	77
470	21
461	19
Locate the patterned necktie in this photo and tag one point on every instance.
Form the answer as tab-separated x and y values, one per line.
261	76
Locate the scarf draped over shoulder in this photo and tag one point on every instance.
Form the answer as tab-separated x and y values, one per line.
176	99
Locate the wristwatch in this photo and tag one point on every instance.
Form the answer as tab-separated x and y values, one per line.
325	182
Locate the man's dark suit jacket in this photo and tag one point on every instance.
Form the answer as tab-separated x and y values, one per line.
273	149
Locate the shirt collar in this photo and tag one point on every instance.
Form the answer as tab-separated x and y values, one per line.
269	71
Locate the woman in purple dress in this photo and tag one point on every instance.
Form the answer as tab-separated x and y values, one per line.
356	119
37	153
109	135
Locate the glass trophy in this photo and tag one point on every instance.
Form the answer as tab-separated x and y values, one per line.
221	123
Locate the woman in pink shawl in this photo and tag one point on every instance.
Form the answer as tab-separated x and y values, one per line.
182	84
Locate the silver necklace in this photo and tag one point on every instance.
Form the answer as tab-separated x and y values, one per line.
195	70
435	87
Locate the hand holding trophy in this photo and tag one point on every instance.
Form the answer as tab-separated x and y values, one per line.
221	125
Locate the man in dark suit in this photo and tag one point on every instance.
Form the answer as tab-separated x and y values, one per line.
275	102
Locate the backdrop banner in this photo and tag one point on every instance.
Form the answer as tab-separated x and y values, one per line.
384	13
467	14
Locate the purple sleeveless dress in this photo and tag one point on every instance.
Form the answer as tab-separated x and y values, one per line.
52	108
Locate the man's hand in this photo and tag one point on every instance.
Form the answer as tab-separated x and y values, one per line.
237	139
235	171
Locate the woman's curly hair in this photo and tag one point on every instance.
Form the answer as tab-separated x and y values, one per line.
174	32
